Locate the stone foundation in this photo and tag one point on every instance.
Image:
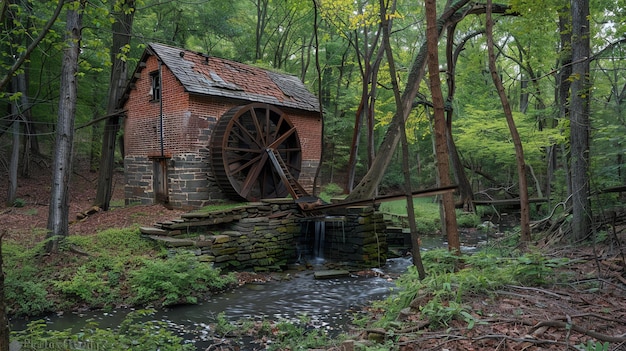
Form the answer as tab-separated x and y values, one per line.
269	235
188	183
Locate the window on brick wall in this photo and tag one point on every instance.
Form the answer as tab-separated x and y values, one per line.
155	86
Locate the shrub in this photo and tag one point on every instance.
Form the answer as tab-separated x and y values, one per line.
179	279
24	296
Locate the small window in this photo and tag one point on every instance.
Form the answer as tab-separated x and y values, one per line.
155	86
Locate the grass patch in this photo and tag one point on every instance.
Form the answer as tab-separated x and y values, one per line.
427	216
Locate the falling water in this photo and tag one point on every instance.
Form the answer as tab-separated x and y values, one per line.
320	233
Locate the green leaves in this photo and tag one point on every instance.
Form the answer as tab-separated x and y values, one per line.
181	278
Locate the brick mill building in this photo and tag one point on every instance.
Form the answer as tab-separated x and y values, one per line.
199	128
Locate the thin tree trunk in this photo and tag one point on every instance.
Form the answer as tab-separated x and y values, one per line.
415	240
519	151
465	188
563	89
449	225
579	120
58	214
122	29
25	117
15	152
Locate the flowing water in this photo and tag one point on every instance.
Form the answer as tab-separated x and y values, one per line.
327	303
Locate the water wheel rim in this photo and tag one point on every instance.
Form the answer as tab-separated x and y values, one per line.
239	156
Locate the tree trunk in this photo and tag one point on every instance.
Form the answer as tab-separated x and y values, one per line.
519	151
579	120
562	93
416	254
122	29
15	152
449	225
29	142
452	54
58	214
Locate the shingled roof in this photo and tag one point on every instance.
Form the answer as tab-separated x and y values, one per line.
207	75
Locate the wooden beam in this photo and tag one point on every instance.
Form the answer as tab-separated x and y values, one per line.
384	198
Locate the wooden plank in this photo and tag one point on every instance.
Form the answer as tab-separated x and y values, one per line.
384	198
507	202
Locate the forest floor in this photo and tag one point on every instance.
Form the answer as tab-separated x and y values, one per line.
590	306
26	224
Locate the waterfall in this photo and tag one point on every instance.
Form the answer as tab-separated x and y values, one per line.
320	233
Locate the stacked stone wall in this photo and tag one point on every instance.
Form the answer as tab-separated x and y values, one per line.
138	181
264	236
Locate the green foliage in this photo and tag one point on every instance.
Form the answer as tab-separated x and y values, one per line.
592	345
121	268
24	295
223	326
25	292
179	279
291	335
19	202
330	191
134	333
441	294
85	285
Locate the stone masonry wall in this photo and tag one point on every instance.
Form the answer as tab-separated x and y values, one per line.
265	236
138	188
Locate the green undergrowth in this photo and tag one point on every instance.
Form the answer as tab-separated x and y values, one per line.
114	268
282	334
427	216
441	296
137	332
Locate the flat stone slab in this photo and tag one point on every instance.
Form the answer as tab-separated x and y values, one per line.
331	273
153	231
173	242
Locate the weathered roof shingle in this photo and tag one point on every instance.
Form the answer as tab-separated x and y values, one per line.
206	75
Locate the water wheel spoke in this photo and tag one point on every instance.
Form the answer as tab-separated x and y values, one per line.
253	175
248	138
280	140
270	183
239	168
293	170
241	149
276	132
258	128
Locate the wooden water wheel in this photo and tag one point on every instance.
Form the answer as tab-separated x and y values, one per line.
241	145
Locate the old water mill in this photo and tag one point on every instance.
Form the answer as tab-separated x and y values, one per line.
292	236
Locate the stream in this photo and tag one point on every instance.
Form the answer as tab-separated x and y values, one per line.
327	303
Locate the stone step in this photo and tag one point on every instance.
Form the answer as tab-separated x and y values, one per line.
331	273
